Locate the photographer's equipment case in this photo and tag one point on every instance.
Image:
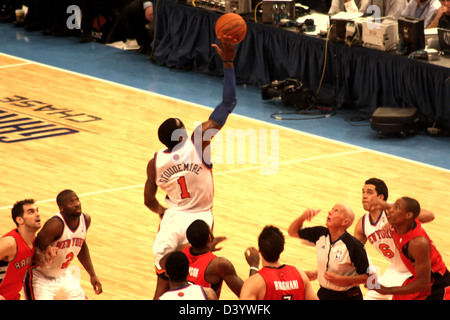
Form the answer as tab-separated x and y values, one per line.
395	120
291	91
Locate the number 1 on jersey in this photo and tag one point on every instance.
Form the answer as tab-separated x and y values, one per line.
184	192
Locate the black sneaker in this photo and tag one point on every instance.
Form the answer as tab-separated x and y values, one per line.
49	31
7	18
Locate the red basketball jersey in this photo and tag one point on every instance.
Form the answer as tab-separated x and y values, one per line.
197	267
283	283
437	264
12	273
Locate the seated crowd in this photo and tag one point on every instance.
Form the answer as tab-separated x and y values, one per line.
103	21
107	21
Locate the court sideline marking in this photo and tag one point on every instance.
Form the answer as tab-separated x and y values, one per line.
358	149
15	65
233	114
215	174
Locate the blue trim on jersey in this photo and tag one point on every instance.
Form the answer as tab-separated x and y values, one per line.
378	220
199	150
179	288
363	224
154	166
370	221
68	225
204	293
177	146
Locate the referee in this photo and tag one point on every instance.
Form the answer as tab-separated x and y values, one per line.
342	262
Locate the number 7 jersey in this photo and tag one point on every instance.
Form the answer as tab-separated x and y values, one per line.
185	177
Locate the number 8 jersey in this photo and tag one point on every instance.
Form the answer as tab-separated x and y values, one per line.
69	245
185	177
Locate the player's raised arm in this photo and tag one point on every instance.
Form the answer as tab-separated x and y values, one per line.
208	129
227	51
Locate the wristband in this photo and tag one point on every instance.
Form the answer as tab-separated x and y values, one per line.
223	109
254	268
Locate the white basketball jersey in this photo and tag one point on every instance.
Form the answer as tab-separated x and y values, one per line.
381	239
185	178
69	245
189	292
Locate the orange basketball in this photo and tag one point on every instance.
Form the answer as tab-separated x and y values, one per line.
231	24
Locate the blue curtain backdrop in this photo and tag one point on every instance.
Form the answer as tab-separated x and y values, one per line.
354	76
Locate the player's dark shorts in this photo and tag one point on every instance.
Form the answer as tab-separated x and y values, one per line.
351	294
440	289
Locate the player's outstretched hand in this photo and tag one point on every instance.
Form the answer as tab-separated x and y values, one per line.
252	256
309	214
215	242
227	48
46	258
95	282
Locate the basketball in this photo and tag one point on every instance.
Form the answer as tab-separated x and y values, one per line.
233	25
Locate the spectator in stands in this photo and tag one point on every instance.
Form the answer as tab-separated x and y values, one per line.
425	10
137	16
49	16
8	9
57	18
388	8
99	17
322	6
344	5
39	15
392	8
101	20
442	17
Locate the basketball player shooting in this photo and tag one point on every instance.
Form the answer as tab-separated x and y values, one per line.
184	170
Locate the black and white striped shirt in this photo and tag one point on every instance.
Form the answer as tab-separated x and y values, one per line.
346	256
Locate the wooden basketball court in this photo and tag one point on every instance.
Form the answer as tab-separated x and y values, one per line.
62	130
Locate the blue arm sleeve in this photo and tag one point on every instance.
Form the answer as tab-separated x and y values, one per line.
229	100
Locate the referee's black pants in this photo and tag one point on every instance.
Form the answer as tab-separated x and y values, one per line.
351	294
